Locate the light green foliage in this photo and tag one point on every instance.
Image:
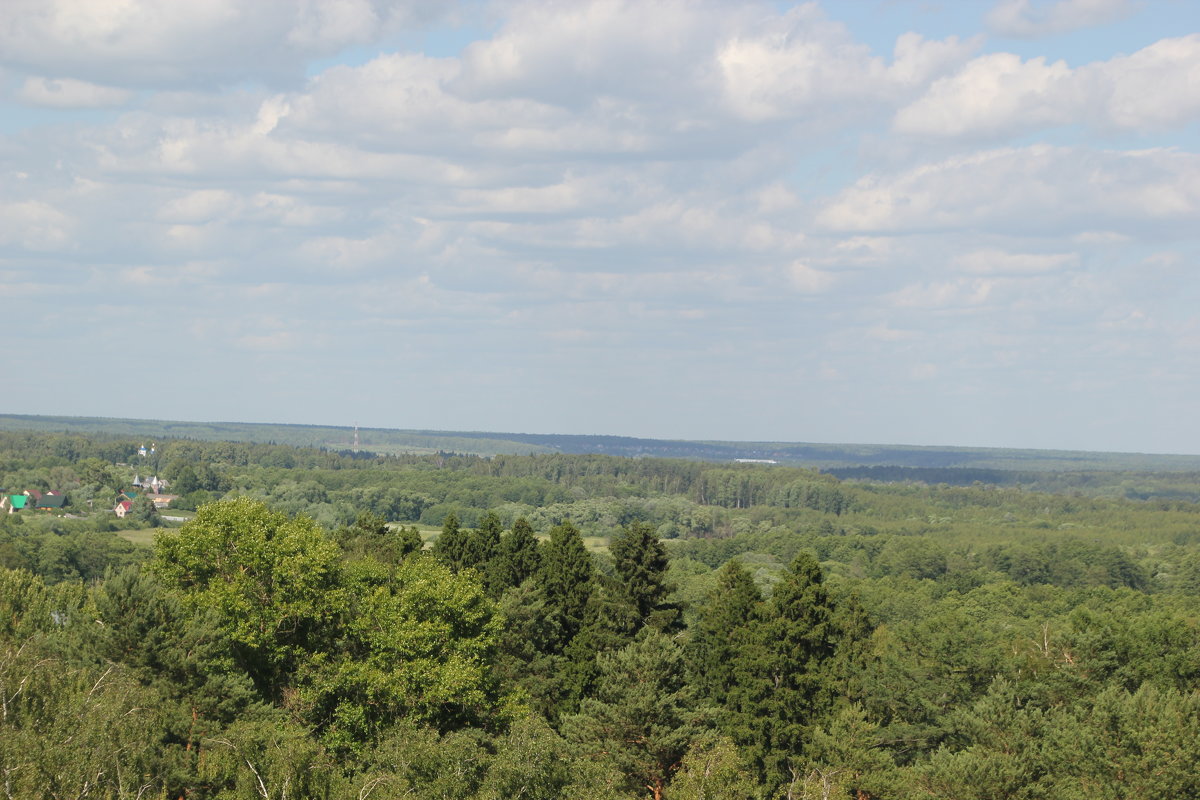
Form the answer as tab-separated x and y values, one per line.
1117	745
273	581
268	760
1005	753
845	759
143	511
364	644
416	643
1139	744
713	769
413	761
531	763
95	472
71	731
187	658
28	607
370	535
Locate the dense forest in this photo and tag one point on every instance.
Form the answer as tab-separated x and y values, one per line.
308	623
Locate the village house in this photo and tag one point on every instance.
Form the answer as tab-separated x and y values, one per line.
12	503
50	501
162	500
31	498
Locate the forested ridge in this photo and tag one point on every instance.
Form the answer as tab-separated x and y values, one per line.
881	461
346	625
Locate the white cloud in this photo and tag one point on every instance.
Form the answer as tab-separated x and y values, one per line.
1040	188
34	225
999	262
1154	88
808	280
685	67
924	371
993	94
194	43
953	294
885	333
571	53
268	208
1021	18
159	276
917	60
661	185
1000	94
199	206
70	93
274	341
801	61
1107	238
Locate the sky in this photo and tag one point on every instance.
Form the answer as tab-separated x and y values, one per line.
877	221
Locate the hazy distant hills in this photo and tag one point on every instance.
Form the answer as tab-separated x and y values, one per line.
848	460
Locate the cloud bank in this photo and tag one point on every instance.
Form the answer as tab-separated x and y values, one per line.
702	220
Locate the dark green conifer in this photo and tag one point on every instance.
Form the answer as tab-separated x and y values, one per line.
451	545
795	682
518	557
641	564
610	623
723	631
566	577
483	544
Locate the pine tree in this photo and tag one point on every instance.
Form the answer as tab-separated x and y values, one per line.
408	540
644	714
610	622
451	545
483	544
795	682
517	558
853	660
641	563
726	627
566	578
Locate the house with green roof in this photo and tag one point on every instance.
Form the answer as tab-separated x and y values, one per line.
50	501
13	503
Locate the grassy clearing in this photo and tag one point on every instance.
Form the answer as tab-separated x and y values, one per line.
142	538
596	544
